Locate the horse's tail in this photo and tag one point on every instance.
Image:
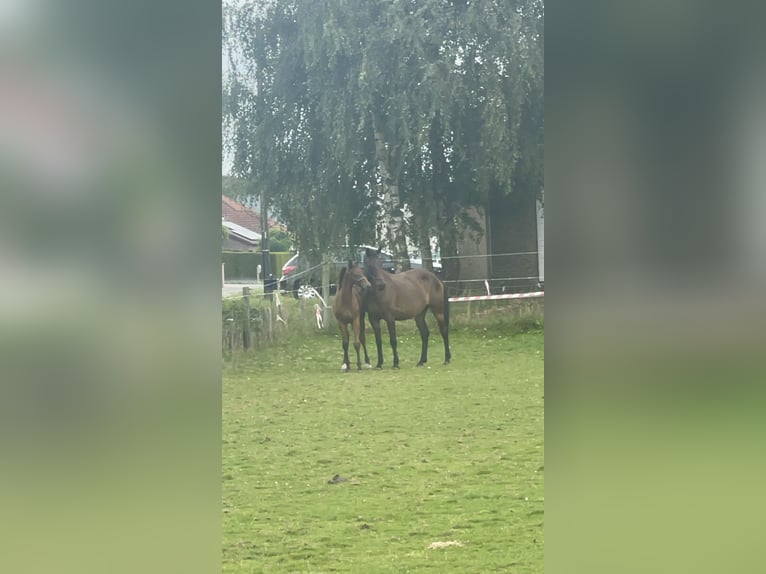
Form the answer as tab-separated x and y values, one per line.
446	305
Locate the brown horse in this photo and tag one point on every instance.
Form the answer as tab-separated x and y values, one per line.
347	308
407	295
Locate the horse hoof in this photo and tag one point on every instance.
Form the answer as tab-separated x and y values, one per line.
420	364
367	366
344	368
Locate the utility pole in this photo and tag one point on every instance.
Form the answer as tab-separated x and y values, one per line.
264	238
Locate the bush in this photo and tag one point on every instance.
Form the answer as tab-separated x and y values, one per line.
279	241
265	328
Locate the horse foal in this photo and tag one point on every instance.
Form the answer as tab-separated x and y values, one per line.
347	308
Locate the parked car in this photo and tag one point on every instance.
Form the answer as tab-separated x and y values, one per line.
298	274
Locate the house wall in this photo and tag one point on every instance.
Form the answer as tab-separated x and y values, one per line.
232	243
511	235
539	207
512	231
473	270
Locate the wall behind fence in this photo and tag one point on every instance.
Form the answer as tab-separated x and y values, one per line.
244	264
515	278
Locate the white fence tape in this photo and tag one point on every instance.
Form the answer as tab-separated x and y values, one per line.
494	297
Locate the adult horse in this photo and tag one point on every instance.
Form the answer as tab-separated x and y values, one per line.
347	308
407	295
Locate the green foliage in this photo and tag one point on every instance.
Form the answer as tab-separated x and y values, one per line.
240	265
278	259
299	315
509	317
236	188
279	241
430	454
244	264
455	90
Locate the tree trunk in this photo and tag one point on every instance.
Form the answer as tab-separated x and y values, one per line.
326	264
265	263
426	254
392	206
448	245
424	239
439	189
422	214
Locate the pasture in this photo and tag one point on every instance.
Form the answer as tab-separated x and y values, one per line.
432	469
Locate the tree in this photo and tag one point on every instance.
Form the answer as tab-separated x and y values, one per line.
238	189
359	116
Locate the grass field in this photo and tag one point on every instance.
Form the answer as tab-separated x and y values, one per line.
436	454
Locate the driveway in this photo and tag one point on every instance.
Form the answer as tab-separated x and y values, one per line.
235	289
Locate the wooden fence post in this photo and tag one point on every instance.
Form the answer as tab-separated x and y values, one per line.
326	262
230	334
246	326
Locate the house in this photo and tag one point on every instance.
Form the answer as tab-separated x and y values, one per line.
240	238
243	224
510	251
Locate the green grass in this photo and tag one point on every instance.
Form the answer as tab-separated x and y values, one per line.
431	454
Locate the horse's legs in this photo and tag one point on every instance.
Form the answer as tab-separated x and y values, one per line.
363	340
420	321
344	336
376	329
355	325
392	335
444	330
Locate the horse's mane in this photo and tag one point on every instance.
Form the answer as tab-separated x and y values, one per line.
371	270
341	275
372	266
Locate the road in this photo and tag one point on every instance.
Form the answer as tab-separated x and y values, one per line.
233	289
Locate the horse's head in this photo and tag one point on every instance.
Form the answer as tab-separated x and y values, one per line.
356	276
372	266
371	256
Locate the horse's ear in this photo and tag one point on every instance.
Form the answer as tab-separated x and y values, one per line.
350	264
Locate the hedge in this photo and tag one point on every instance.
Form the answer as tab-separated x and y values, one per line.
244	264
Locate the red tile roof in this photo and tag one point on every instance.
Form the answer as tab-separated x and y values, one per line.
244	216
